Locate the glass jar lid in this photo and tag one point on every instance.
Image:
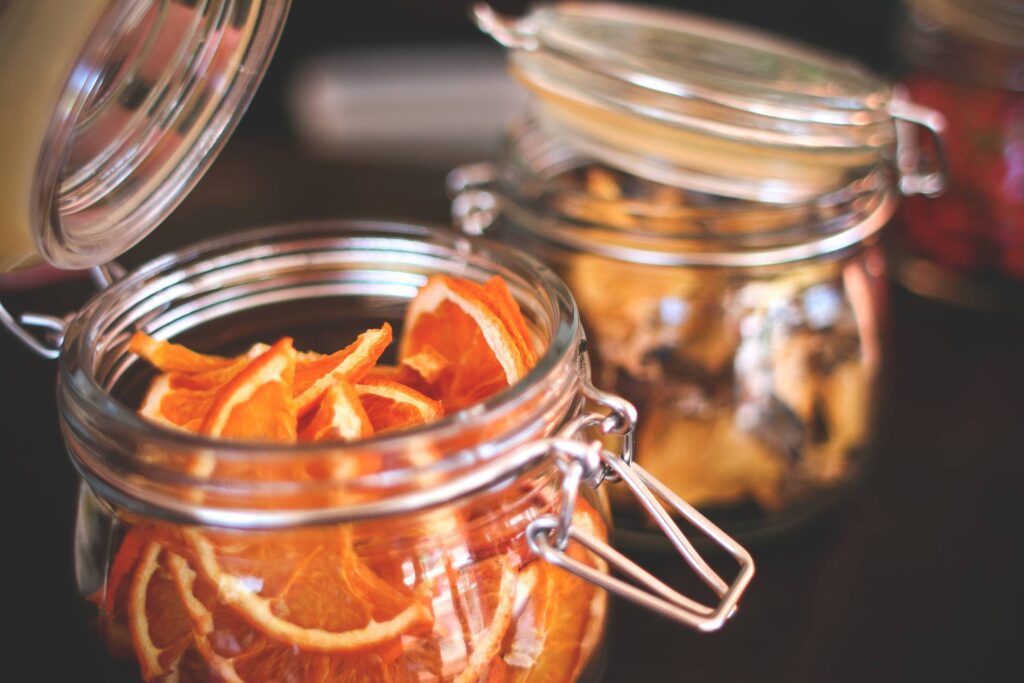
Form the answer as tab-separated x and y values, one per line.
119	113
697	102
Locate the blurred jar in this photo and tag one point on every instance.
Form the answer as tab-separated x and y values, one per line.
712	195
966	59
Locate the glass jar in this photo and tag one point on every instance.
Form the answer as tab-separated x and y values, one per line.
113	110
461	550
966	59
712	196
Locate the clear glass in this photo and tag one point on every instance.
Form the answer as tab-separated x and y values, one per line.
967	61
297	562
690	100
748	335
121	107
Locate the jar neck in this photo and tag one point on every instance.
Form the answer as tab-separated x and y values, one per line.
565	196
354	270
980	42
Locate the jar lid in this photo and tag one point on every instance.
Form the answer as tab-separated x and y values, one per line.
120	106
697	102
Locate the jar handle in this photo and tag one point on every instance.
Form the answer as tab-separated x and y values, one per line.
579	462
915	177
43	333
474	200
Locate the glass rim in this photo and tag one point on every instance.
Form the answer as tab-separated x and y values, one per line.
79	387
534	158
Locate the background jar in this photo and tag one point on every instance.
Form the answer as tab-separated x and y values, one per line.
712	195
434	537
966	59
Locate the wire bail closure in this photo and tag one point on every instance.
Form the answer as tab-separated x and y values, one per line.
42	333
579	461
917	177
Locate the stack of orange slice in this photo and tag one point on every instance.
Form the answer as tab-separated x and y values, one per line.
197	604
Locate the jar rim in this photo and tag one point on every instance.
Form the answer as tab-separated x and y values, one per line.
534	162
86	405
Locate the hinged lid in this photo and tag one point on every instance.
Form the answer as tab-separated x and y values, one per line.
113	111
697	102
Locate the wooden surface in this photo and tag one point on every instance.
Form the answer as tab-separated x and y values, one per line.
916	578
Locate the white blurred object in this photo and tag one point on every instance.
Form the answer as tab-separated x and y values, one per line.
427	105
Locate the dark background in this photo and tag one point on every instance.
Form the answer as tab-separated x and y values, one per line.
915	578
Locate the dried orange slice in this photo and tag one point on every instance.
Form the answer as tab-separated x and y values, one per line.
257	403
505	306
555	633
391	405
168	357
114	598
314	374
310	592
182	400
455	318
339	417
159	625
421	371
239	652
487	586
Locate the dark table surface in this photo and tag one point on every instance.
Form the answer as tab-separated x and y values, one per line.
916	577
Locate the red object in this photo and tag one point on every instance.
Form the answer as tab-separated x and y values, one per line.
979	224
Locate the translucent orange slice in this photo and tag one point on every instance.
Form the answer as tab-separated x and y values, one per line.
310	592
555	633
182	400
169	357
315	374
491	587
339	417
505	306
236	651
391	405
422	371
159	625
455	318
114	598
257	403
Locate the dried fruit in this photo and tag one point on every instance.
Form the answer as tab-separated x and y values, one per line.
159	625
465	325
198	604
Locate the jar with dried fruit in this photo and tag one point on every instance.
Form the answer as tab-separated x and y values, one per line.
335	513
966	59
409	511
712	195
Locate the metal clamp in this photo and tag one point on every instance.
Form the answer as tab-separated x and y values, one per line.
549	535
617	416
43	333
474	203
510	32
579	462
915	178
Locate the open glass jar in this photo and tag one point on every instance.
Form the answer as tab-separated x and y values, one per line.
462	549
966	59
471	547
712	195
